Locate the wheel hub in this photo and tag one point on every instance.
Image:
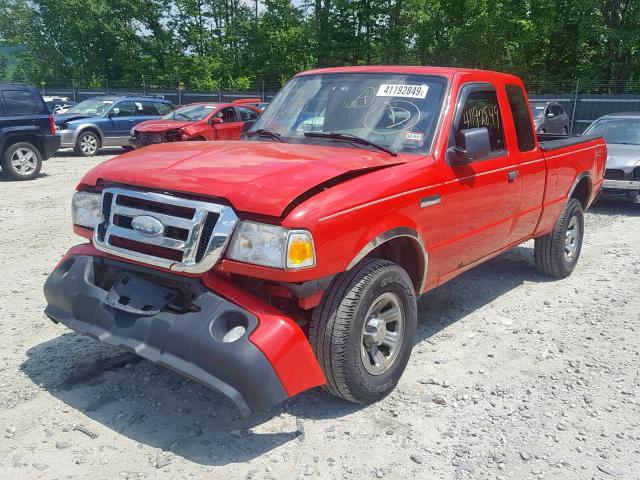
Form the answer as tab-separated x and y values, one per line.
382	333
374	332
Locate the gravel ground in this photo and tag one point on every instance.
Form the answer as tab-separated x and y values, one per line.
512	376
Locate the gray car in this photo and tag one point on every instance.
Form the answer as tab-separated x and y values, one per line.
550	117
621	131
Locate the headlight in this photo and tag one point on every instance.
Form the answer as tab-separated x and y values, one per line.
272	246
85	209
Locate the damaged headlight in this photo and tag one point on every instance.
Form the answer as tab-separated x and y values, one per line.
85	209
272	246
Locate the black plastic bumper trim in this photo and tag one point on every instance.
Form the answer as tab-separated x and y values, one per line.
189	343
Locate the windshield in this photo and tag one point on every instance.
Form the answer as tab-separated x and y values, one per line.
397	111
537	111
91	107
617	130
190	112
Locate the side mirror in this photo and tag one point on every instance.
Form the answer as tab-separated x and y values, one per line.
215	120
472	144
114	112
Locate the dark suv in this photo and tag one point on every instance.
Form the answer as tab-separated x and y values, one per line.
550	117
27	132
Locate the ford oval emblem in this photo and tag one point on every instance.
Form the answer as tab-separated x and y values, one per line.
147	225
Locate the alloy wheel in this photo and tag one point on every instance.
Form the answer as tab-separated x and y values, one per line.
24	161
382	333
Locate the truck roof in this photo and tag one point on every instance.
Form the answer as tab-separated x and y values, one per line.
447	72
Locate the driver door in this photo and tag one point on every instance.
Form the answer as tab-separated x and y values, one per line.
224	130
122	117
482	197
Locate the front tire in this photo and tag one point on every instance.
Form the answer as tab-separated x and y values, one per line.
88	144
22	161
363	330
557	253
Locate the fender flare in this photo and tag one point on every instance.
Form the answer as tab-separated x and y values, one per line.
8	133
84	126
578	179
388	235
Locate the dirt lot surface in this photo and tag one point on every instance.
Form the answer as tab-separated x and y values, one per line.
512	376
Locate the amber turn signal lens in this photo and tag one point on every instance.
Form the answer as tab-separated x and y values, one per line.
300	250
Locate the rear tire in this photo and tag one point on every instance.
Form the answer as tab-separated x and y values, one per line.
88	144
363	330
557	253
21	161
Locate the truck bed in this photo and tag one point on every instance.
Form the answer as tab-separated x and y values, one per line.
550	141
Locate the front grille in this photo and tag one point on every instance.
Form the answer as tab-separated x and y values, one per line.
191	234
614	174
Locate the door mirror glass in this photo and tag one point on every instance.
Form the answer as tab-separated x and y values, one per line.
472	144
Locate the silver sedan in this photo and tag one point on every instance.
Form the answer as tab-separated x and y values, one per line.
621	131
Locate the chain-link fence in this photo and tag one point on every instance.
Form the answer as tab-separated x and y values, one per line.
585	102
178	94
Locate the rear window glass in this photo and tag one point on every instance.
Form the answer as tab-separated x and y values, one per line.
521	119
20	102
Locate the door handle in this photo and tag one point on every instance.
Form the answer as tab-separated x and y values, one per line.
512	175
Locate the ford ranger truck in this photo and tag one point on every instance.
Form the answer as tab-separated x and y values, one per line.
293	259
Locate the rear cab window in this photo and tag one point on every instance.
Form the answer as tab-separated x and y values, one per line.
521	118
20	102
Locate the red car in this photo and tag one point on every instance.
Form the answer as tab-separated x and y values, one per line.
294	259
196	121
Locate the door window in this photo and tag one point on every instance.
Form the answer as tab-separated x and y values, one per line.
481	110
162	108
227	115
20	102
124	109
521	118
246	114
145	109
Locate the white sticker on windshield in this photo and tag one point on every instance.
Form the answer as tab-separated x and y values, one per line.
397	90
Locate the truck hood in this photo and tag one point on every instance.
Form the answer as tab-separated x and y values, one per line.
257	177
622	156
161	125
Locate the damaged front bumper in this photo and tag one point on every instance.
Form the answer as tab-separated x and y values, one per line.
181	323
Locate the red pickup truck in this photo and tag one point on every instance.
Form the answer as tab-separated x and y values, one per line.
293	259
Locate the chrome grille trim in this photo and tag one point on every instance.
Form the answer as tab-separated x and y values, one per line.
218	240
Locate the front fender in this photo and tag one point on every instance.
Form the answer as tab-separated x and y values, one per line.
78	128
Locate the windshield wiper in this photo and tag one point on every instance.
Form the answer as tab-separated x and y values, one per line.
182	115
347	137
263	132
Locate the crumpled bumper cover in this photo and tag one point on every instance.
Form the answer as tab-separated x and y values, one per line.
189	342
